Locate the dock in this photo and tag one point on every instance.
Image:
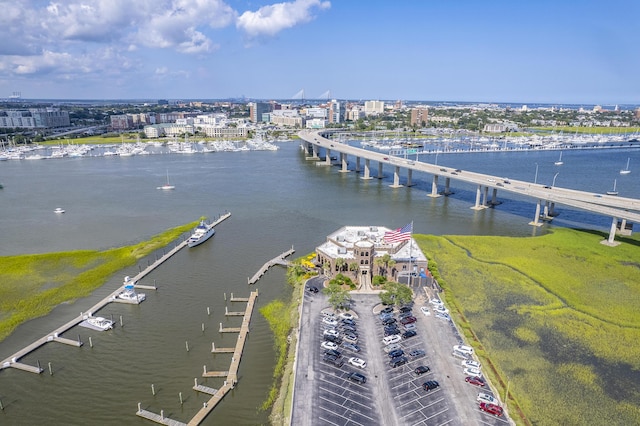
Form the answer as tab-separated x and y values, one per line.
55	335
278	260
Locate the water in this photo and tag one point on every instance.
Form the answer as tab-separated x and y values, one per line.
277	199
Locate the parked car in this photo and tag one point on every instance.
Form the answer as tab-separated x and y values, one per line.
312	289
421	370
411	326
463	349
471	363
357	362
440	310
443	316
425	311
389	321
391	339
329	321
350	338
436	302
408	334
390	331
346	315
485	397
328	345
348	322
496	410
408	320
474	380
387	310
333	339
351	347
405	315
332	359
331	332
392	347
473	371
349	329
396	352
398	361
333	352
405	309
416	353
430	385
358	378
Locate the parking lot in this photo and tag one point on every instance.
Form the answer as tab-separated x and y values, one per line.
325	394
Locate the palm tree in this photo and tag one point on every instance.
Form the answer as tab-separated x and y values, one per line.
340	262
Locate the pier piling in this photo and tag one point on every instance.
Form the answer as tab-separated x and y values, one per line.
90	342
153	389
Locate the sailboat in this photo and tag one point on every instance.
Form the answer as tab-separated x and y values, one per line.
626	170
613	191
167	186
559	162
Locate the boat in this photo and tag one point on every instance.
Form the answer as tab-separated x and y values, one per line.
59	210
559	162
201	233
167	186
101	323
129	293
626	170
613	191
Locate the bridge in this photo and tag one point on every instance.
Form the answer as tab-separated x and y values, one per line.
623	211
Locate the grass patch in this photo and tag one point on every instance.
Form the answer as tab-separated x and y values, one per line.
32	285
554	317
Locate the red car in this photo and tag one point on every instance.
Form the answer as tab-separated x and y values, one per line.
496	410
408	320
475	380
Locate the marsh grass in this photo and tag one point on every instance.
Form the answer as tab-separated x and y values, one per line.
32	285
555	317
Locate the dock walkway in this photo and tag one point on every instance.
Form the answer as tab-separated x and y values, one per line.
54	336
278	260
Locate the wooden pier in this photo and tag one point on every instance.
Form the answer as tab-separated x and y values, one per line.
54	336
231	375
278	260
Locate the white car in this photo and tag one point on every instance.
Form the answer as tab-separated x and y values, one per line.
440	309
350	338
346	315
391	339
468	350
333	333
475	372
425	311
485	397
358	362
329	321
329	346
435	302
392	347
471	363
443	316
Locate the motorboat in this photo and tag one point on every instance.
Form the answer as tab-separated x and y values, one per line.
101	323
130	295
59	210
201	234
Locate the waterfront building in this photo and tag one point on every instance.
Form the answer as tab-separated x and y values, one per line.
34	118
257	109
316	123
359	251
373	108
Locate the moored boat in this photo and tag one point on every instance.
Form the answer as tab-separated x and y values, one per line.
201	234
101	323
59	210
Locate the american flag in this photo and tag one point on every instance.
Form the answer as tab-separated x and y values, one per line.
400	234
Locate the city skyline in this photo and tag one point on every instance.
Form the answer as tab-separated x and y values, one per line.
573	52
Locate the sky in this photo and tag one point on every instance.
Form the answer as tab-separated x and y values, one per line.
543	51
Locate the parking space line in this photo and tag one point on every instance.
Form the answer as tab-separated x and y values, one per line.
343	396
328	421
438	413
500	419
346	418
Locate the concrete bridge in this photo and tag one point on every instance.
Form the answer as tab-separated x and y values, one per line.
623	211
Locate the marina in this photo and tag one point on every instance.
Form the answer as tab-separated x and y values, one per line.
278	260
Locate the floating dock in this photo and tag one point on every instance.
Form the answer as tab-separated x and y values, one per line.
54	336
278	260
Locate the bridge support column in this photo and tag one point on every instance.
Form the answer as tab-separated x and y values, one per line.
345	163
396	178
494	196
327	157
379	170
478	206
552	209
409	173
485	196
612	234
357	164
447	189
314	151
536	220
434	187
367	174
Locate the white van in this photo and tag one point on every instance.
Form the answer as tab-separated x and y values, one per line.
485	397
464	349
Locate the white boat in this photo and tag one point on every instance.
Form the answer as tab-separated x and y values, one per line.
613	191
201	234
559	162
101	323
130	295
626	170
59	210
167	186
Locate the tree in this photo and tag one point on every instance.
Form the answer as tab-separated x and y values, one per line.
396	294
353	266
338	297
340	262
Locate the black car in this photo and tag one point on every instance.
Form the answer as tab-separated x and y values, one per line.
405	315
389	321
312	289
398	361
358	378
405	309
332	359
396	352
385	316
347	321
430	385
333	352
334	339
390	331
349	329
387	310
416	352
421	370
408	334
352	347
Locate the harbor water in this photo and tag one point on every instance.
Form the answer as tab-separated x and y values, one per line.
277	199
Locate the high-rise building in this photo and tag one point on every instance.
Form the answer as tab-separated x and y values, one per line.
256	109
336	111
419	116
373	107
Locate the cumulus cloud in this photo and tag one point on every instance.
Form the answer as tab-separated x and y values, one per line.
269	20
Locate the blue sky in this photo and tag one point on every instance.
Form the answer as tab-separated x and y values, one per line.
583	52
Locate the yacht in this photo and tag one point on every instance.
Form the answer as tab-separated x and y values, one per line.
201	234
101	323
167	186
59	210
130	295
626	170
559	162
